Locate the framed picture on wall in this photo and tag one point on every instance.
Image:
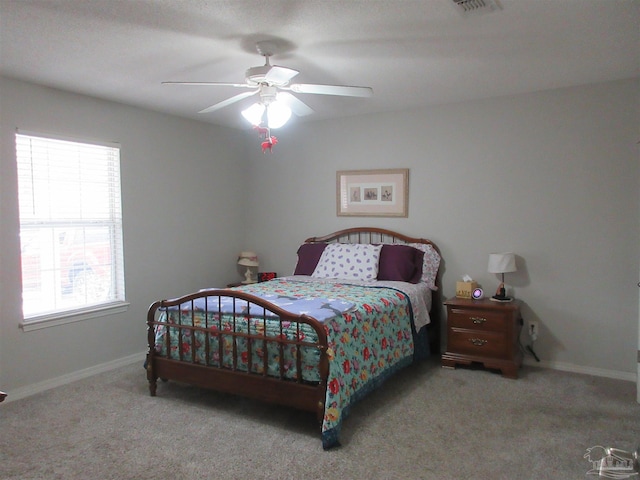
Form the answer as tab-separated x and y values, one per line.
373	193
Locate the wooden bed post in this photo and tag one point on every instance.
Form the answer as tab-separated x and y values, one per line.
149	364
153	380
323	367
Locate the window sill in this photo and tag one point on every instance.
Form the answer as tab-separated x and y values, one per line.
54	319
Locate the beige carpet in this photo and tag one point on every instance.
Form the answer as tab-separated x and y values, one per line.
426	423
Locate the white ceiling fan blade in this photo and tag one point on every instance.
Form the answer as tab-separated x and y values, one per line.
296	105
342	90
228	102
209	84
280	75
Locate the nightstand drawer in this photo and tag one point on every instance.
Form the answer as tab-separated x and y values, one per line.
477	319
479	343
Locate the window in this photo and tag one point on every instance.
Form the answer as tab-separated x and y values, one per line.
70	227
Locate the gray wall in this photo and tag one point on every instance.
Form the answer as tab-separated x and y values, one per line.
551	176
182	214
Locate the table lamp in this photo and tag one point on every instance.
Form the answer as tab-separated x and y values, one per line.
249	260
502	263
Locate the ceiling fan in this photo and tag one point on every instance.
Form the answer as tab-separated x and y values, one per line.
272	84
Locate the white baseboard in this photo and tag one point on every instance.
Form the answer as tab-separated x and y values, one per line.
569	367
39	387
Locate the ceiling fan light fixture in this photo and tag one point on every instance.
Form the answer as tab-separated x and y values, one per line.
278	114
254	113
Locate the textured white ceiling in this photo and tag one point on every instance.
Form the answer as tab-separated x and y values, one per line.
411	52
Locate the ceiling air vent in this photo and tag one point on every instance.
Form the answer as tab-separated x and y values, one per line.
476	7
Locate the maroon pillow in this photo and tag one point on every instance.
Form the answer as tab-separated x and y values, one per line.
308	256
401	263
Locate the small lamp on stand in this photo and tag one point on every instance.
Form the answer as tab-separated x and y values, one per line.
502	263
249	260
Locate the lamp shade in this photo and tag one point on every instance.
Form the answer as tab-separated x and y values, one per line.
502	263
248	259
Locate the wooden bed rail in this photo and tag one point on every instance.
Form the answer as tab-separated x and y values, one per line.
250	338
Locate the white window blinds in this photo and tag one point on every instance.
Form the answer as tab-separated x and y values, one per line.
70	225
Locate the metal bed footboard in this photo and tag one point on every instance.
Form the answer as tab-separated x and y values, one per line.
186	359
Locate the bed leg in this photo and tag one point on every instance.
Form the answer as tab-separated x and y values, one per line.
152	377
153	385
320	413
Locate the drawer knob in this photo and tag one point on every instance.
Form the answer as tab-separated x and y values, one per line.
478	342
478	320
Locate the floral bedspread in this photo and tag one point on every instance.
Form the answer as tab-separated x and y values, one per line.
367	344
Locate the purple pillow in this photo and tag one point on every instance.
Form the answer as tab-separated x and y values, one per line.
308	256
401	263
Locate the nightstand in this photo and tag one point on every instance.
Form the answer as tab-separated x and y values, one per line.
483	331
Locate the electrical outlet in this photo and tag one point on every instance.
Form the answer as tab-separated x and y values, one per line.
533	329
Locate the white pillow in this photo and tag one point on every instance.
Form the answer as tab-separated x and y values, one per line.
348	262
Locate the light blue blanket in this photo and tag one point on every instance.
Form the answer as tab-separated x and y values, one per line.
321	309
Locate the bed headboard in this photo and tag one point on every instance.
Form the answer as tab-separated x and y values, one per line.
368	235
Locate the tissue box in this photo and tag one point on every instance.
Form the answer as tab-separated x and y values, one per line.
464	289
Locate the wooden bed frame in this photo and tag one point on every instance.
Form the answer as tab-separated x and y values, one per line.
279	389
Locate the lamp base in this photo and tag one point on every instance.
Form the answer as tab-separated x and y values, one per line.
497	298
501	295
248	277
